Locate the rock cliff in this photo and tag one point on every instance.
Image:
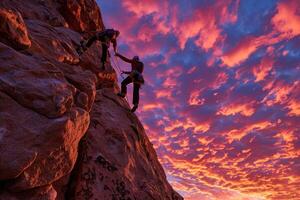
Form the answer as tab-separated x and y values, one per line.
64	134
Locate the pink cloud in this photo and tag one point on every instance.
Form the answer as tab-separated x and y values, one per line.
237	134
294	107
202	25
151	106
221	78
187	124
287	18
142	8
279	92
286	24
261	71
246	109
194	99
241	52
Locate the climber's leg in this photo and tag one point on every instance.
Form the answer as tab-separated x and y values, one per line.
136	96
104	55
124	84
86	44
91	41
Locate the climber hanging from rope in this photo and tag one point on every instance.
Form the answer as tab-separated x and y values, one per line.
106	37
134	76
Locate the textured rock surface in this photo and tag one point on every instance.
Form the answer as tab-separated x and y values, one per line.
82	15
55	106
117	162
13	29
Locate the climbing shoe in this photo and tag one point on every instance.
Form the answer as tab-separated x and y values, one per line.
121	95
79	51
82	48
103	66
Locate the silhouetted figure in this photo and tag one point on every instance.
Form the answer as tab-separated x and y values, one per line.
134	76
105	37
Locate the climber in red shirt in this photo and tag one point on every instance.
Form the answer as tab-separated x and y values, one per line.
135	76
105	37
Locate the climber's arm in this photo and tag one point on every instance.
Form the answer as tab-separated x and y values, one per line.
85	44
114	44
124	58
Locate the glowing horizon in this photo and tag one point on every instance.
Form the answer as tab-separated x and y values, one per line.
221	102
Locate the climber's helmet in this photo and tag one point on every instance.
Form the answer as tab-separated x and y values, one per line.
136	58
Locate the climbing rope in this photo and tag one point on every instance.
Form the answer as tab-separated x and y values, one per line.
117	62
117	67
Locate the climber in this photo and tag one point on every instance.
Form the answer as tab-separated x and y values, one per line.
135	76
105	37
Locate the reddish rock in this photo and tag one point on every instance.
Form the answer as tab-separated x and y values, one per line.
41	10
82	15
34	84
35	150
117	160
50	42
13	30
47	94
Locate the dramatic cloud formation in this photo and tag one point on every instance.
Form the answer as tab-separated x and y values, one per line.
221	102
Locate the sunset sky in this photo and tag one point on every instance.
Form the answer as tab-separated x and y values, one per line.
221	103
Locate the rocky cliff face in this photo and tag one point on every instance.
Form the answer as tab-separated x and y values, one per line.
64	134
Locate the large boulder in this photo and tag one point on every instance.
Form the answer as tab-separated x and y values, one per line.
34	84
36	150
13	30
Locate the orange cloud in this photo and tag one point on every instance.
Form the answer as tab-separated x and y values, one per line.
142	8
222	78
163	93
195	100
187	124
287	135
246	109
208	36
241	52
279	93
237	134
294	107
174	71
287	18
203	25
286	25
152	106
262	70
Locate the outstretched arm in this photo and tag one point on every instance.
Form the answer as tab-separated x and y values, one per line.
124	58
